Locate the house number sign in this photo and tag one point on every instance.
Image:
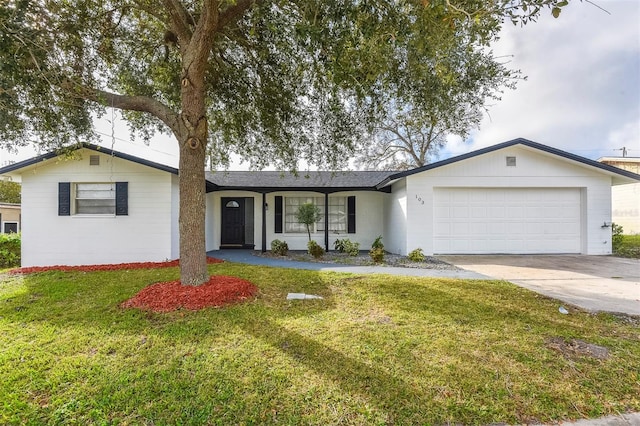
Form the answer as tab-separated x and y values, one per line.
420	200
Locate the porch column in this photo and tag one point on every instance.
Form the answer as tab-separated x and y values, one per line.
326	221
264	222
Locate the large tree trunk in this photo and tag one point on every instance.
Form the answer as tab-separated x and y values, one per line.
192	132
193	261
193	141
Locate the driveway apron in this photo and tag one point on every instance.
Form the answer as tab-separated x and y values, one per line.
594	283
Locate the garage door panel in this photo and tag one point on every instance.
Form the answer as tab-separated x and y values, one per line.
507	220
478	212
496	212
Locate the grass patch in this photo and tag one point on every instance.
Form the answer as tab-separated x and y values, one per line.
629	246
376	350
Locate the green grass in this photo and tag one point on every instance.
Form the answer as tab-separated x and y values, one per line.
377	350
629	247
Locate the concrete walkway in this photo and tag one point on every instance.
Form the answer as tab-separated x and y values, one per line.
631	419
246	256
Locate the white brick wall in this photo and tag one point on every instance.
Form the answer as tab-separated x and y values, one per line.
143	235
533	170
395	219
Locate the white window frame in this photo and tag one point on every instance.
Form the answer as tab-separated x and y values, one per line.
84	194
10	221
338	219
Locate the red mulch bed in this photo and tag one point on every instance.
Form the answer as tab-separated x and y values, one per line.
106	267
169	296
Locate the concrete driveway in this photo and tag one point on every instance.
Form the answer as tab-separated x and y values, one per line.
595	283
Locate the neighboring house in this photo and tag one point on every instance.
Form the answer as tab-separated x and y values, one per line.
103	206
9	218
625	199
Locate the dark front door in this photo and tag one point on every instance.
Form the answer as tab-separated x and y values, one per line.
232	222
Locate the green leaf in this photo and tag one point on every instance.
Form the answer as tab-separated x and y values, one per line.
556	12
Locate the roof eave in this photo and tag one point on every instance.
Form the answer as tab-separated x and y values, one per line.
15	167
612	170
322	190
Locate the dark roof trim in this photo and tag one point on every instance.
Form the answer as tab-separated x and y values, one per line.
320	190
519	141
97	148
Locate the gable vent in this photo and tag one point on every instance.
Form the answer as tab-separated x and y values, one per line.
511	161
94	160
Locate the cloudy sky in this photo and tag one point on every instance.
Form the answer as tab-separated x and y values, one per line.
582	92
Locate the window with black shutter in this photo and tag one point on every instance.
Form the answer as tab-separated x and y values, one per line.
351	214
277	226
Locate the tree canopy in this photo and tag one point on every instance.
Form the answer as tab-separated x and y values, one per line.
308	214
272	80
9	192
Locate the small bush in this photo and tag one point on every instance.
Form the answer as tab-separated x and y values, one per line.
9	250
347	246
377	243
314	249
616	236
377	255
416	255
352	248
377	250
279	247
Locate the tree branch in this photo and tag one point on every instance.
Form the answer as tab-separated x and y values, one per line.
197	54
180	19
131	103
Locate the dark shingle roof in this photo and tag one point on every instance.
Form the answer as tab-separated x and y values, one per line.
259	180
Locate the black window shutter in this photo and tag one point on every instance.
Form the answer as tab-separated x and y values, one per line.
64	198
277	226
122	198
351	214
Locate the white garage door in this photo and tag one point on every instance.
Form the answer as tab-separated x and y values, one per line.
506	220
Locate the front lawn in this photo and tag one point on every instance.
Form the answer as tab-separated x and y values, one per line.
629	246
375	350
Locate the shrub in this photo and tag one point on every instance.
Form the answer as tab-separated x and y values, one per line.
347	246
377	243
377	250
279	247
9	250
416	255
616	236
314	249
377	254
352	248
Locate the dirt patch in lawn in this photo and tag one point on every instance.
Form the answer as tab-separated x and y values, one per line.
577	347
169	296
